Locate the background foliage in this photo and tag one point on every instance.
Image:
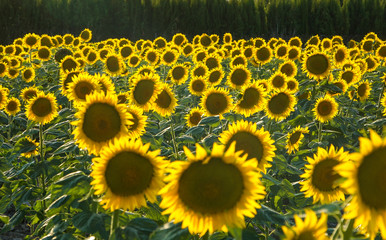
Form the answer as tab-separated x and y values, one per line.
147	19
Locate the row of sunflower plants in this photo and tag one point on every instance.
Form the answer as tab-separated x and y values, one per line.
212	138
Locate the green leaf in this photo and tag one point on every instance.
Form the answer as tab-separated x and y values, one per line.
89	222
59	202
267	216
4	218
211	121
236	233
69	146
169	231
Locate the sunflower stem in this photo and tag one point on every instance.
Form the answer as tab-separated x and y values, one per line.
41	153
10	120
320	132
380	96
114	222
174	139
347	234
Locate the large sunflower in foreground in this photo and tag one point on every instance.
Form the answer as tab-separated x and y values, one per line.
256	144
320	176
280	105
42	108
212	192
100	120
216	101
309	229
294	138
326	108
365	181
317	65
128	174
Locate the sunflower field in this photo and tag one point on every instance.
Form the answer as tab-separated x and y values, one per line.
208	138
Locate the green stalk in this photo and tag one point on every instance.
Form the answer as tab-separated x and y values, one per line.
347	234
174	139
114	222
320	132
41	153
380	96
10	120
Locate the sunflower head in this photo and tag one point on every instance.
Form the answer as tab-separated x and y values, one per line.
216	101
252	100
294	138
279	105
100	120
213	189
179	73
12	106
263	55
215	76
238	77
85	35
165	103
194	117
325	108
288	68
82	85
42	108
197	86
137	127
28	74
363	90
317	65
145	90
128	174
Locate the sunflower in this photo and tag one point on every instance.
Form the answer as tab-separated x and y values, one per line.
227	38
239	77
106	84
381	52
314	40
212	61
152	56
3	96
325	108
169	56
372	63
194	117
281	51
278	81
279	105
134	60
341	84
32	144
326	44
28	74
12	106
340	55
113	64
365	182
187	49
179	39
238	60
263	55
123	97
349	75
197	86
165	102
82	85
363	90
215	76
137	128
179	73
145	90
317	65
28	93
292	85
9	49
92	57
294	138
319	179
66	78
255	144
13	73
128	174
85	35
311	228
3	69
42	108
44	53
199	70
252	99
68	39
100	120
288	68
210	193
216	101
31	40
68	63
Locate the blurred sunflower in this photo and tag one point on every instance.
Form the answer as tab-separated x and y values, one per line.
372	63
281	51
123	97
349	75
215	76
169	56
145	90
381	52
309	229
317	65
363	90
31	144
295	41
341	84
134	60
280	105
365	181
325	108
293	53
85	35
44	53
31	40
12	106
3	69
194	117
165	102
106	84
320	177
113	64
128	174
197	86
82	85
239	60
28	93
227	38
152	56
340	55
138	121
66	79
254	144
292	85
262	55
252	100
278	81
294	138
216	101
211	193
212	61
100	120
42	108
288	68
187	49
179	73
68	63
28	74
199	70
238	77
